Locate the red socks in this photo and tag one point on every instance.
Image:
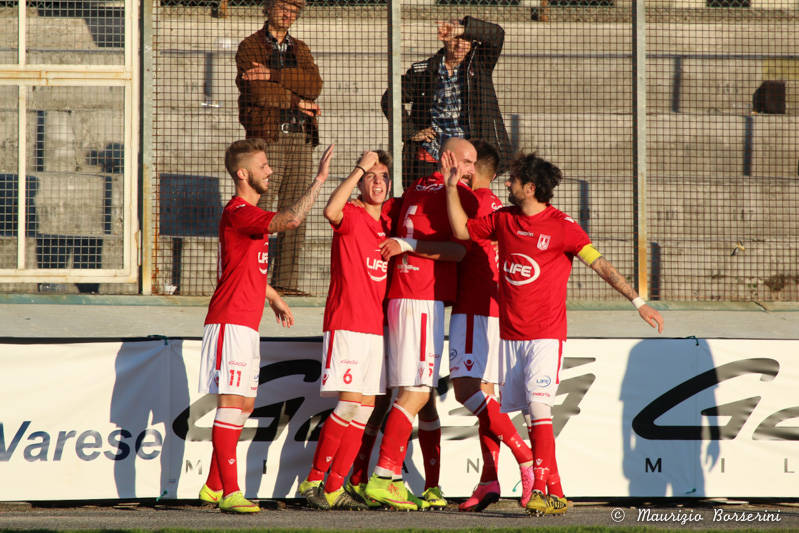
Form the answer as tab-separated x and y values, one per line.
498	424
395	440
348	449
345	455
329	440
225	437
430	442
360	468
489	446
544	452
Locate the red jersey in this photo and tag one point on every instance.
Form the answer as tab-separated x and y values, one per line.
535	258
424	217
358	273
242	265
477	272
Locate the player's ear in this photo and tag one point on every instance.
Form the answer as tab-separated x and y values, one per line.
242	174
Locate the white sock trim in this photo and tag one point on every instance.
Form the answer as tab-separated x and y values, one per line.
476	403
346	410
362	414
228	418
539	410
384	472
403	411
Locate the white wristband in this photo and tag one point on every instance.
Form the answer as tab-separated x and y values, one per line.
407	244
638	302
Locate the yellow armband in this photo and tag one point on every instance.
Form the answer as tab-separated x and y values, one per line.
589	254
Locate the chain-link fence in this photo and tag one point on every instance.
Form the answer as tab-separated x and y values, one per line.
720	144
702	131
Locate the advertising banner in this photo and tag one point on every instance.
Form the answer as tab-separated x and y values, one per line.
646	418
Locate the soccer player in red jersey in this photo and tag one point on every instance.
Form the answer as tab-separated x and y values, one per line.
230	359
423	280
474	346
537	244
352	355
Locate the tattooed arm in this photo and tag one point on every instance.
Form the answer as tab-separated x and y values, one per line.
292	217
608	272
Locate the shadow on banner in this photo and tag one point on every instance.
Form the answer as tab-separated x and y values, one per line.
668	390
140	369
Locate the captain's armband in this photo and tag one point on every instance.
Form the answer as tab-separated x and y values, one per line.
589	254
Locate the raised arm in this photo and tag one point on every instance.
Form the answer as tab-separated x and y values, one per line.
457	216
340	196
292	217
608	272
490	36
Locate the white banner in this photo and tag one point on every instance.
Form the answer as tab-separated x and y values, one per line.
655	417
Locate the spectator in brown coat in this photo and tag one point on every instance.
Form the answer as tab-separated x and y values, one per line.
278	83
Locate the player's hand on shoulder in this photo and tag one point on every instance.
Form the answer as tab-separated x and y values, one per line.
651	316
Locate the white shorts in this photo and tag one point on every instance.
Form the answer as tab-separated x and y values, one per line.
474	347
415	341
230	360
529	371
352	362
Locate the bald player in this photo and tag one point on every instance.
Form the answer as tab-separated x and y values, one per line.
474	346
423	281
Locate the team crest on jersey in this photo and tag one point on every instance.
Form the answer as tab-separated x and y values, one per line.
543	241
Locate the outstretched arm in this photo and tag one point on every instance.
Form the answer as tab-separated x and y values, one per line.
339	197
608	272
292	217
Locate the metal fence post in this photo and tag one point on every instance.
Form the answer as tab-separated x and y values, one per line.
639	148
147	229
395	91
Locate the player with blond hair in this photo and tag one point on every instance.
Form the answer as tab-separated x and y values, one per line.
230	353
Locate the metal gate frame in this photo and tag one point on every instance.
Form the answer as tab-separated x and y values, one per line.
24	75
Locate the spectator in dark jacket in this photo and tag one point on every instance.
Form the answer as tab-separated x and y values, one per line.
452	95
